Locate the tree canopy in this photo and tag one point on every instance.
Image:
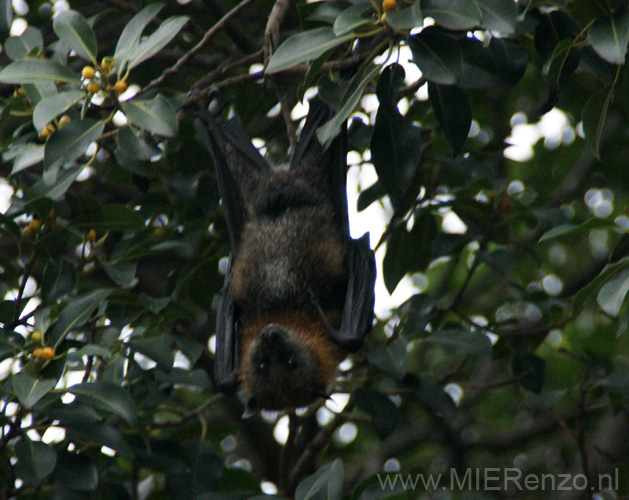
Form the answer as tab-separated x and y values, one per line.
492	136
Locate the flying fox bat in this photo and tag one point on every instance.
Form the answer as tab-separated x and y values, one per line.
299	291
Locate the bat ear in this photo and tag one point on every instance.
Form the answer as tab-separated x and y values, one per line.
251	408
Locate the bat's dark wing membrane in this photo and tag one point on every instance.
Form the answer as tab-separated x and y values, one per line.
238	164
309	158
360	297
238	167
359	300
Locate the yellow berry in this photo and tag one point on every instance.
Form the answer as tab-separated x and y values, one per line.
63	120
91	236
47	353
28	233
49	129
36	336
388	5
120	86
37	353
383	18
93	87
107	63
35	225
88	72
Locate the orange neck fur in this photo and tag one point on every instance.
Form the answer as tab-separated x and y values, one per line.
307	328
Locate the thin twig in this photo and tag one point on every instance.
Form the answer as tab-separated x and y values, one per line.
299	69
188	416
412	88
272	30
28	268
291	129
199	46
243	40
318	443
286	456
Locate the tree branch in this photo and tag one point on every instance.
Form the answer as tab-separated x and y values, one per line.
202	43
272	30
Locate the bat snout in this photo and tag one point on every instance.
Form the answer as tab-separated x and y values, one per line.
273	334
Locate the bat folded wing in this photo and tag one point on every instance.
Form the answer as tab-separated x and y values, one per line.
360	297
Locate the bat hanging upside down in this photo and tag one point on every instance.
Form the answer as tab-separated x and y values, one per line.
299	292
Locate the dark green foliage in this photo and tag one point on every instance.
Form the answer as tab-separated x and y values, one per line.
505	344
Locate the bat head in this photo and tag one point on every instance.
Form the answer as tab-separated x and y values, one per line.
281	370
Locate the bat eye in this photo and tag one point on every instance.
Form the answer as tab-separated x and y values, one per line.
263	367
291	364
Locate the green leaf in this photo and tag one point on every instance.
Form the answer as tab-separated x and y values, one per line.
609	37
122	273
132	33
155	115
595	285
384	414
52	106
77	472
437	56
416	313
119	218
35	92
617	383
325	484
350	100
453	112
452	14
593	117
100	434
59	279
106	396
75	32
29	389
134	146
59	185
510	59
406	19
71	141
37	70
36	460
396	145
392	358
531	370
612	294
409	251
574	229
6	17
436	399
498	15
31	155
20	47
158	40
326	11
459	341
305	47
76	314
93	350
350	19
85	210
159	349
